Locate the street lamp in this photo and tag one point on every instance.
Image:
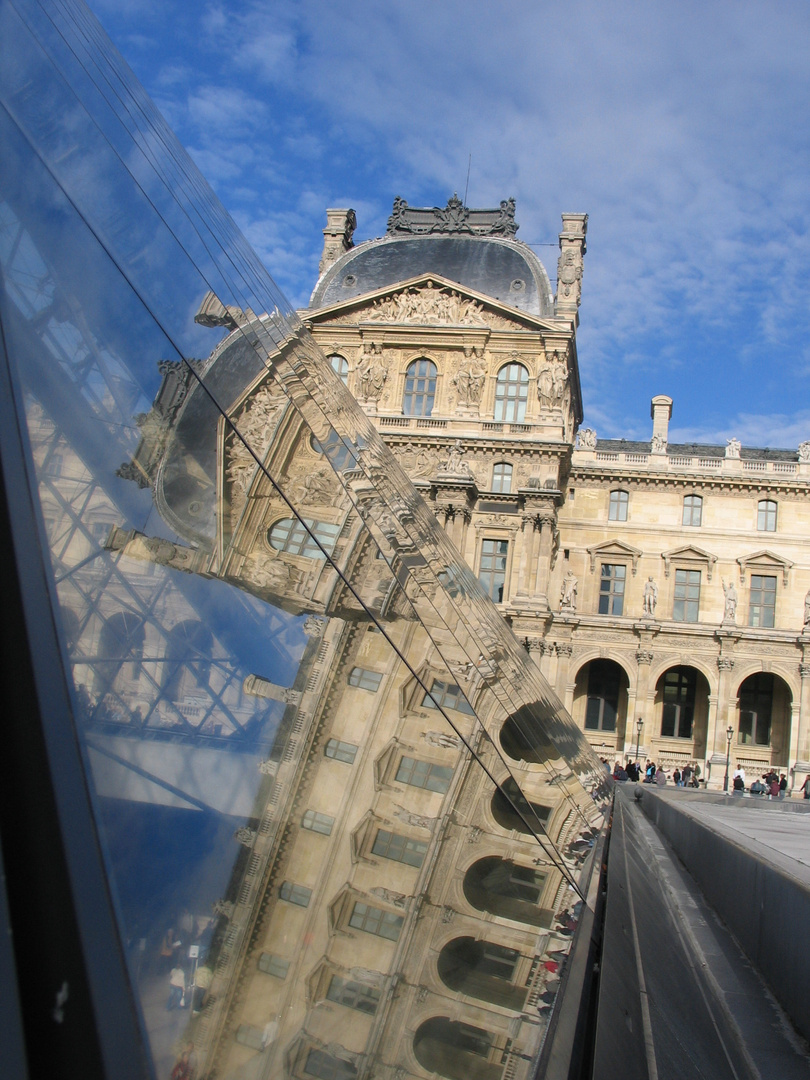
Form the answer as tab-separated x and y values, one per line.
729	737
639	726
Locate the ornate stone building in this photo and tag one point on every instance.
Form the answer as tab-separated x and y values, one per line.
660	587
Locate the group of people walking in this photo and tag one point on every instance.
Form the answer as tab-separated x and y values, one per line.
770	783
651	773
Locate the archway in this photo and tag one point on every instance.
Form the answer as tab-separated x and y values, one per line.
682	707
482	969
456	1050
524	739
763	715
505	888
507	800
600	700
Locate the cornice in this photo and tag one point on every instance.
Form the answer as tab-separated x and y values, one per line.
605	476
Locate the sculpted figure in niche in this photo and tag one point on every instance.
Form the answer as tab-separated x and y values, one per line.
455	465
545	386
371	372
730	592
469	382
441	738
568	593
650	598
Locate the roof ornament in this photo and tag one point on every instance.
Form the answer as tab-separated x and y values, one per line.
452	219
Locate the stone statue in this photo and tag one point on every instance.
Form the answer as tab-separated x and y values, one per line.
658	444
469	382
442	739
804	453
730	614
569	274
372	373
807	610
545	386
314	626
455	465
398	899
568	593
733	447
650	598
409	818
587	439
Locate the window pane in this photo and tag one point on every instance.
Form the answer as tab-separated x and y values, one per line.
340	365
420	388
692	510
366	680
424	774
273	965
295	894
611	589
512	393
399	848
355	995
340	751
373	920
447	696
302	537
617	510
320	823
766	515
492	572
762	606
687	596
502	478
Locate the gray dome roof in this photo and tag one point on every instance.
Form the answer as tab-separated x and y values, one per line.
506	270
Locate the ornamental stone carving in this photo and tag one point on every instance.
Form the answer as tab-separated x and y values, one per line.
807	609
396	899
658	444
452	219
650	598
563	648
724	663
245	836
371	373
455	464
442	739
419	821
586	439
804	671
552	382
569	275
730	612
804	453
469	380
733	447
428	305
568	593
314	626
644	656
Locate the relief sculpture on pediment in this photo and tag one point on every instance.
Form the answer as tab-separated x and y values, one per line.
428	304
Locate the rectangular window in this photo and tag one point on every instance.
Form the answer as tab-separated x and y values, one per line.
365	679
328	1067
604	687
497	961
492	570
611	589
316	822
678	713
756	707
502	478
617	510
273	965
295	894
762	604
354	995
692	510
424	774
687	596
446	695
373	920
341	751
399	848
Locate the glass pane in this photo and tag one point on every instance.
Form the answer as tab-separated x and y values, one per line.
221	524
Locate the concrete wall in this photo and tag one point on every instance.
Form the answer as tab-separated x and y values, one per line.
766	909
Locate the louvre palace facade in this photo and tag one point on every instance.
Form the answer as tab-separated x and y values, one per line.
659	587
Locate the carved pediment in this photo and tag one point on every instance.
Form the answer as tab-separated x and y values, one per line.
614	549
766	562
429	300
689	555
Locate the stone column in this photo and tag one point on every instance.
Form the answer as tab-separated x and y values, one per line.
644	658
717	745
542	566
803	736
528	527
569	266
564	649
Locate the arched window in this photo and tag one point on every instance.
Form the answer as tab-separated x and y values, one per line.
420	388
340	365
457	1050
766	515
617	511
502	477
507	800
120	641
483	970
511	393
679	691
523	738
293	536
604	687
756	707
692	510
504	888
188	659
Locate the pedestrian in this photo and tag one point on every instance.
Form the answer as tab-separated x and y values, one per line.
805	788
773	789
686	775
676	777
660	777
696	777
782	786
177	988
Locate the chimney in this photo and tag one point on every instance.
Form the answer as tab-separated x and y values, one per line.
569	265
661	413
337	236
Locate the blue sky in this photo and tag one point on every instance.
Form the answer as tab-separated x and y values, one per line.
681	129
